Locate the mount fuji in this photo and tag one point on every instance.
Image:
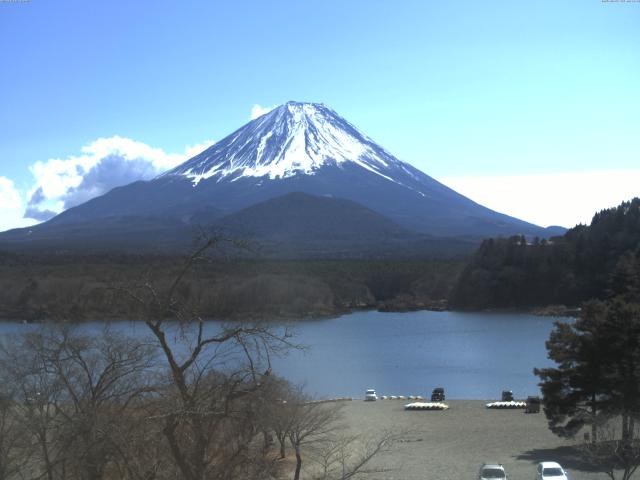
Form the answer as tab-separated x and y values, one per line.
304	148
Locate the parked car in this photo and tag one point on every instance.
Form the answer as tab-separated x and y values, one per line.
492	471
370	395
507	396
533	405
437	395
550	471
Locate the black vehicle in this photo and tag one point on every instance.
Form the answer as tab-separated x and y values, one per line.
533	405
507	396
437	395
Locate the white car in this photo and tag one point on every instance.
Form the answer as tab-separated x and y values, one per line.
551	471
492	471
370	395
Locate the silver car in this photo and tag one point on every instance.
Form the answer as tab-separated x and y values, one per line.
492	471
550	471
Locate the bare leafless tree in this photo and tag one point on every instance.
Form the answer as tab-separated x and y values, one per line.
76	397
14	442
344	456
617	448
36	391
214	376
316	430
276	418
310	423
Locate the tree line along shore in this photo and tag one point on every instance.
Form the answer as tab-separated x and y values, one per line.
552	276
72	287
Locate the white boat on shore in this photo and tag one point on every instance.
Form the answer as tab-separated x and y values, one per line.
506	405
426	406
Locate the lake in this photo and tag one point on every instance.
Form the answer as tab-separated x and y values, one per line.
471	355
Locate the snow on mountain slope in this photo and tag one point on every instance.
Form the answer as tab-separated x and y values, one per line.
295	138
297	147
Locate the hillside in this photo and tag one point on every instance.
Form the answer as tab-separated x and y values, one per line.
596	261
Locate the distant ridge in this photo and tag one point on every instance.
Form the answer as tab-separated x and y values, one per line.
299	215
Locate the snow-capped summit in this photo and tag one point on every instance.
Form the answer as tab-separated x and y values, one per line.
292	139
295	148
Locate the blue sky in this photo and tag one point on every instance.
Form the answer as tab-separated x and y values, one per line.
492	97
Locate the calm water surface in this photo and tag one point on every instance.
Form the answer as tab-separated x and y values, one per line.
471	355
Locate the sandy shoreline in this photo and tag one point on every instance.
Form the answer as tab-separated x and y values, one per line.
452	444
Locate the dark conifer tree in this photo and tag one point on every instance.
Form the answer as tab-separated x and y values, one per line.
598	370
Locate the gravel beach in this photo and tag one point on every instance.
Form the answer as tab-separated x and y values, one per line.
452	444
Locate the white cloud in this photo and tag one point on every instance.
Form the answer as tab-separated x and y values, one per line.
258	111
105	163
11	206
9	196
131	149
564	199
193	150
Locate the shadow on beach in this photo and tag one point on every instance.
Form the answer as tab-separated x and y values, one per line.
568	456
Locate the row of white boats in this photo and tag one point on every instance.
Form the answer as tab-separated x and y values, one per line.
371	395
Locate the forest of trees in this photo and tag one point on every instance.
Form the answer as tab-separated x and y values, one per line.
35	286
598	261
